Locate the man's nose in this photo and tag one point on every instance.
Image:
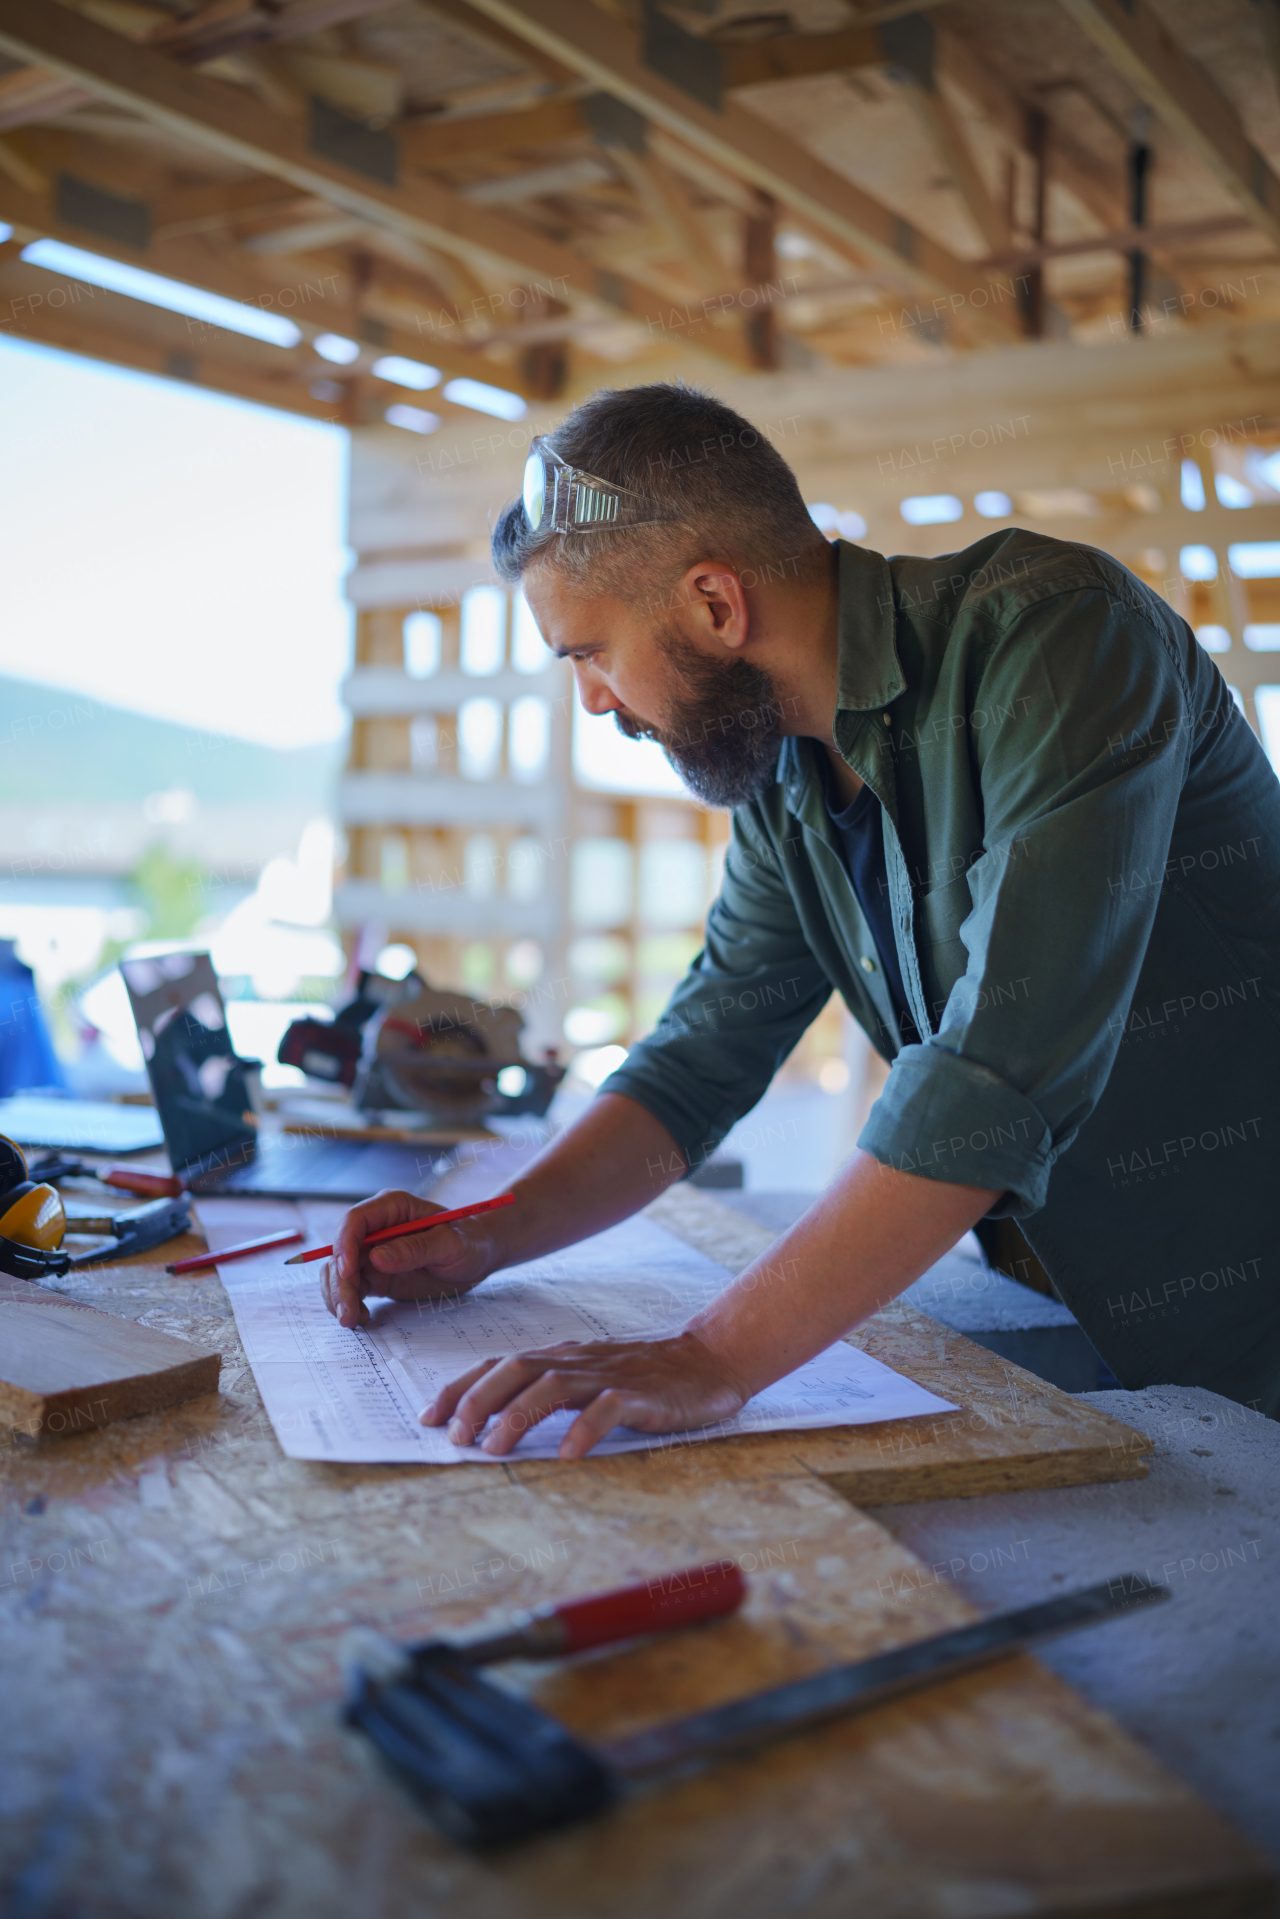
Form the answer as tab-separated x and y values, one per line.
594	692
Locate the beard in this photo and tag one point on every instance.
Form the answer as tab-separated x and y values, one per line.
722	728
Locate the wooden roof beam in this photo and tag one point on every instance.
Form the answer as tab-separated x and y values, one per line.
225	121
1182	96
214	31
909	47
441	143
804	55
908	50
242	276
799	56
610	55
245	376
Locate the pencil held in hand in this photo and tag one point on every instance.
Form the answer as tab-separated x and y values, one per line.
408	1226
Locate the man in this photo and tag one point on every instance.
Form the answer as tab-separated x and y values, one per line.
1005	805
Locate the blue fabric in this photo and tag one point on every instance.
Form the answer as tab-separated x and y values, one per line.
27	1057
860	834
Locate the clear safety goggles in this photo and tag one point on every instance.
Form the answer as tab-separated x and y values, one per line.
567	500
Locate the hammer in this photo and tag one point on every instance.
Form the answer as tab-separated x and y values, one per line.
490	1768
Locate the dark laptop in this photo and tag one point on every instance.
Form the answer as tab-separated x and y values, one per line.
201	1091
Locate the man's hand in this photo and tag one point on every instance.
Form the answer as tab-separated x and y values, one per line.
425	1265
652	1385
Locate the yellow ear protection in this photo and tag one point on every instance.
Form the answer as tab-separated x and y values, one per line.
32	1222
30	1214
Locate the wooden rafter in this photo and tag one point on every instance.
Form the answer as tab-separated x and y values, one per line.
910	47
205	113
245	375
863	228
212	32
1180	93
441	143
312	296
799	56
807	55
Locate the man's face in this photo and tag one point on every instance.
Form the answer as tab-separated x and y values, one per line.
666	677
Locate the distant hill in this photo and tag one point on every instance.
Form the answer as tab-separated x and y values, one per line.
60	747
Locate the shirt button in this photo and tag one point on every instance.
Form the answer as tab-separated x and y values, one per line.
885	717
867	964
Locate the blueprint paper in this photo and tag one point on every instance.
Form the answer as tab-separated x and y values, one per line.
355	1396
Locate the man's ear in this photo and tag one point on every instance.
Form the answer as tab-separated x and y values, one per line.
713	593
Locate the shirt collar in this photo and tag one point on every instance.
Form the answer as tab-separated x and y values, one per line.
868	672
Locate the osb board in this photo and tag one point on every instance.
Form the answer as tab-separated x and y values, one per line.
1013	1431
172	1645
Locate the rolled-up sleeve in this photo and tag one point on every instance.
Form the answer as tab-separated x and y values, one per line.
1080	787
741	1007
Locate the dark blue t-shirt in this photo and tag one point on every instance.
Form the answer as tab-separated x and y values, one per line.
860	838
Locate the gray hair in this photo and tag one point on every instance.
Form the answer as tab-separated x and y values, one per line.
713	480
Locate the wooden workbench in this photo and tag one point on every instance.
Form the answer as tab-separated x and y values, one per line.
176	1593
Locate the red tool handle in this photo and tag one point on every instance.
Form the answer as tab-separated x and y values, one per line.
149	1185
655	1605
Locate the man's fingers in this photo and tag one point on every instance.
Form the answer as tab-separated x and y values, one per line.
343	1297
598	1419
387	1208
502	1379
551	1393
445	1403
414	1250
346	1247
497	1384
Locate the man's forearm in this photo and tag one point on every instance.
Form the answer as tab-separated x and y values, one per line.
872	1233
612	1161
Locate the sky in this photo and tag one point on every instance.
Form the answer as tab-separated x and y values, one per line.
171	550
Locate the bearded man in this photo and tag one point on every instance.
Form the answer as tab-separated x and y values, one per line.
1005	805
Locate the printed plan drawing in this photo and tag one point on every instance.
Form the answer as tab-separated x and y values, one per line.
355	1396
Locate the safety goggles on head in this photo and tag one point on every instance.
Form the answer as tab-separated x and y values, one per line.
566	500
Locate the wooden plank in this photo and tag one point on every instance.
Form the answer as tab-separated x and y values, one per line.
439	143
64	1366
799	56
1180	93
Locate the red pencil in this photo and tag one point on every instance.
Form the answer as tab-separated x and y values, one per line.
235	1252
411	1226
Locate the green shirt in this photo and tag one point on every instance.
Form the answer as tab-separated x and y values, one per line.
1082	839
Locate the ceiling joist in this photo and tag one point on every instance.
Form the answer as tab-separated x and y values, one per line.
610	55
219	118
1182	96
315	299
